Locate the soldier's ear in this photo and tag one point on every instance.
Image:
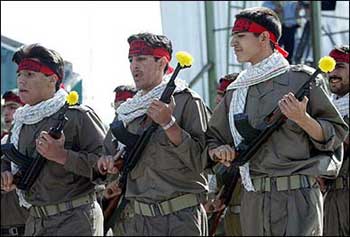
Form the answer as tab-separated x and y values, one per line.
53	78
163	62
264	36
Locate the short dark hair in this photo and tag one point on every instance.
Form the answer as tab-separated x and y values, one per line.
342	48
155	41
263	16
48	57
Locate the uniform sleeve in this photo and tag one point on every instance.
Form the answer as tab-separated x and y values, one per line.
5	165
90	135
333	126
218	132
109	148
194	123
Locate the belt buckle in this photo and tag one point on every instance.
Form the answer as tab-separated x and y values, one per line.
38	212
156	209
13	231
42	211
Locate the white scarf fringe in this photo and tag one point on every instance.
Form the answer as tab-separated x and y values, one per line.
342	104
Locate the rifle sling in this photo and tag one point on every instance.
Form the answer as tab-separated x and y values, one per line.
12	154
248	132
122	134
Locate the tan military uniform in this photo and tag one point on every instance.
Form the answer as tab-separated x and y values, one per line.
13	217
336	204
287	200
63	196
167	185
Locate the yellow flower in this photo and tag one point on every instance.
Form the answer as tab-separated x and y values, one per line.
184	58
326	64
72	98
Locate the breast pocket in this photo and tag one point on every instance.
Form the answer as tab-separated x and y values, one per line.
261	103
71	142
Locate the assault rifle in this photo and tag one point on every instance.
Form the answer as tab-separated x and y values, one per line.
29	168
113	210
245	152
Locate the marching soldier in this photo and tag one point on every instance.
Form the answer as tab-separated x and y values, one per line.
280	195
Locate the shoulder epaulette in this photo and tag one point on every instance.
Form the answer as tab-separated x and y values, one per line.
81	107
320	80
190	92
302	68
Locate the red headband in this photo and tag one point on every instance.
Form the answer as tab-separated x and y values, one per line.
140	47
223	85
170	70
35	66
339	56
123	95
243	24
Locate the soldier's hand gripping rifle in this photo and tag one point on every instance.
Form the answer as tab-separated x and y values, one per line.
30	167
111	213
245	152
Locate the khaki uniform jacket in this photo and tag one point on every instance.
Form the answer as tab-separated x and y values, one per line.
164	170
288	150
56	183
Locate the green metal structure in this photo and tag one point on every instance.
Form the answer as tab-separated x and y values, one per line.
210	25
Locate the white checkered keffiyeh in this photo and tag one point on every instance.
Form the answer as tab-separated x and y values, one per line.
342	104
137	106
267	69
31	115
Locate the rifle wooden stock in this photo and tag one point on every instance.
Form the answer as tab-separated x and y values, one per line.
274	121
112	205
226	197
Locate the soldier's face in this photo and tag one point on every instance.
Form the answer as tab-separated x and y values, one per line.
146	71
247	47
8	110
35	87
339	79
